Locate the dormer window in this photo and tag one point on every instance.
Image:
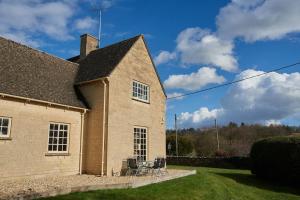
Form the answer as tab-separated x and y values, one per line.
140	91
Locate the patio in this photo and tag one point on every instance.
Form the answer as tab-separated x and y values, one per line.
31	188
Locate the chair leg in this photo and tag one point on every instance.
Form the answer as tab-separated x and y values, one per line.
128	172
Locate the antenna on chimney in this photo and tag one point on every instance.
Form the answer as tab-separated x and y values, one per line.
98	9
100	23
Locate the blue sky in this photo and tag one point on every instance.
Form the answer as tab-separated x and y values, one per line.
195	44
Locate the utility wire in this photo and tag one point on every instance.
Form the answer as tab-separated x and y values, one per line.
233	82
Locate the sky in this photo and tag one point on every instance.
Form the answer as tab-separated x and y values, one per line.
195	45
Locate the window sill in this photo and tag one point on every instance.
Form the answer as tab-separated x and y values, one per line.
5	138
57	154
146	102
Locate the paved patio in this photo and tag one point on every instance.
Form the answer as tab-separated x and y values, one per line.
31	188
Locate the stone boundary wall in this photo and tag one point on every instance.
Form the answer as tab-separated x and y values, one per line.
217	162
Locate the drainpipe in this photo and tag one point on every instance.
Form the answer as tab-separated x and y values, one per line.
104	126
81	141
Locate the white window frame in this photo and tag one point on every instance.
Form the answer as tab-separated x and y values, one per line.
140	91
140	152
8	126
58	137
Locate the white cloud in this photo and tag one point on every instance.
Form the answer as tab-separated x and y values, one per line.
194	81
122	34
175	95
199	46
267	99
106	4
201	117
247	3
259	20
164	57
85	23
272	122
21	38
35	16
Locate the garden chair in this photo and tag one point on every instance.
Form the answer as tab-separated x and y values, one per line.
132	167
159	164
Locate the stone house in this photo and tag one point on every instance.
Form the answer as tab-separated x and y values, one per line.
86	114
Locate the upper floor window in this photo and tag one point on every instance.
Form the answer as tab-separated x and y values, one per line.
5	124
140	91
58	138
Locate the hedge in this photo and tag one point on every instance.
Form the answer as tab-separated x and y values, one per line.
277	158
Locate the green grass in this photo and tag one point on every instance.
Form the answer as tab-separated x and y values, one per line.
207	184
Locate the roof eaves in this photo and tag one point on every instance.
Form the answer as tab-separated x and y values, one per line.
42	101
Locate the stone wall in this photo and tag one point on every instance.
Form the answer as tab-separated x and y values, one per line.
217	162
26	151
93	135
125	112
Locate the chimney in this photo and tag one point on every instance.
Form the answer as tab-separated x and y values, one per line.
88	43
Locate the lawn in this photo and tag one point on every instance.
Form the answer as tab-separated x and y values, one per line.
208	184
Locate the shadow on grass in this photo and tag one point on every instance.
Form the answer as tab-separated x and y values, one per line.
252	180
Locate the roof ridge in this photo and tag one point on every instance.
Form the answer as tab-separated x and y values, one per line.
137	36
108	57
117	43
37	50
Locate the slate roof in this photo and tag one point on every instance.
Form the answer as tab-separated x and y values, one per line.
101	62
30	73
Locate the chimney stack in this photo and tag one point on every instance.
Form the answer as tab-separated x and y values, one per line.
88	43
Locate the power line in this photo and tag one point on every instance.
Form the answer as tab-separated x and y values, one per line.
233	82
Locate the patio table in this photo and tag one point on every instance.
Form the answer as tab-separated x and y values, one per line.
145	166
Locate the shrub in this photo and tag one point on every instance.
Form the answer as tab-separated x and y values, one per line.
277	158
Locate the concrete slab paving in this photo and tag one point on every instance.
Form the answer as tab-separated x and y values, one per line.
32	188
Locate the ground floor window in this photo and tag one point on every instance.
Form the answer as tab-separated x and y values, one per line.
140	143
58	138
5	123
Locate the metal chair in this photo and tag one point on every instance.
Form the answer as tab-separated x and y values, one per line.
159	166
132	167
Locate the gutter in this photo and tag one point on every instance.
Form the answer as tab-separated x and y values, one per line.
41	101
81	142
104	126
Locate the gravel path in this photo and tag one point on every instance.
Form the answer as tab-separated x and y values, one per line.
28	188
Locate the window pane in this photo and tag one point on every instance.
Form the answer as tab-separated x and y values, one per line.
54	147
51	126
4	131
50	148
60	148
5	122
64	147
0	121
61	133
56	127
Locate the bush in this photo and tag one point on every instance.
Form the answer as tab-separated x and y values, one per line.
277	158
